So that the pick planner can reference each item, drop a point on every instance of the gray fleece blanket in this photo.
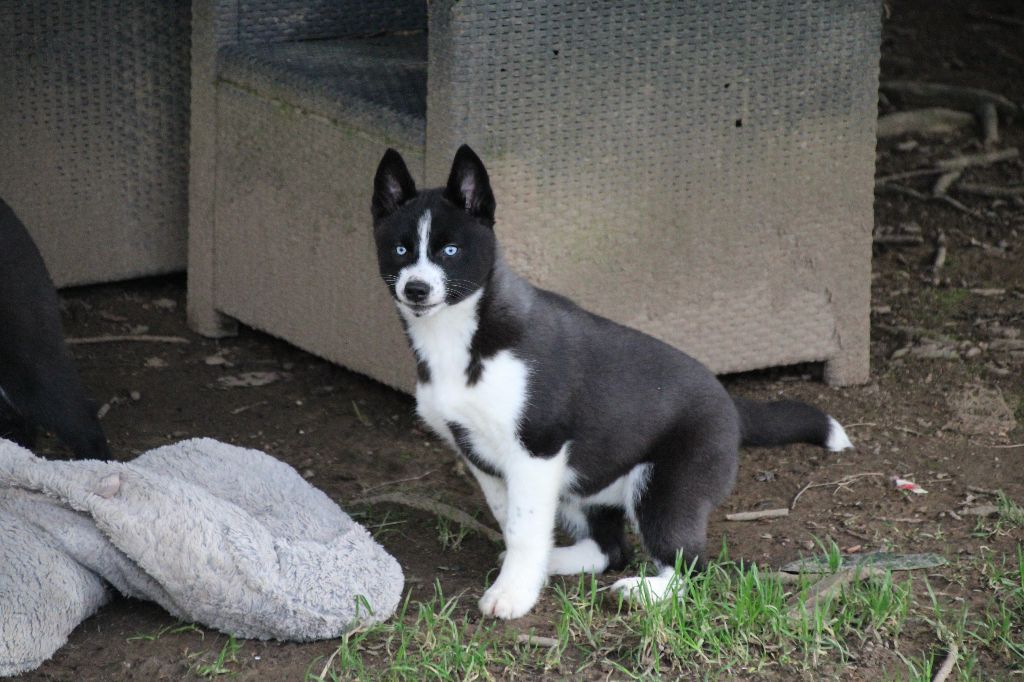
(219, 535)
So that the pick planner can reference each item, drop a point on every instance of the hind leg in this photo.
(690, 477)
(600, 543)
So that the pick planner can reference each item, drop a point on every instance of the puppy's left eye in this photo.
(400, 250)
(451, 250)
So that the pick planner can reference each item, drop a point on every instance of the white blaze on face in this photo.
(423, 270)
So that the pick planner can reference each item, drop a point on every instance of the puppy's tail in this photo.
(789, 421)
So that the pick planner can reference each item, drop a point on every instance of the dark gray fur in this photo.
(37, 376)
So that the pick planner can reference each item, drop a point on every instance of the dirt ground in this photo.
(935, 340)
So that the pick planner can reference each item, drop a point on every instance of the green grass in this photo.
(731, 618)
(731, 621)
(219, 666)
(1011, 515)
(450, 533)
(1009, 518)
(427, 640)
(997, 628)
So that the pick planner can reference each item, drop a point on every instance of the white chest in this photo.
(491, 408)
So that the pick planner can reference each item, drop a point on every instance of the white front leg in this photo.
(534, 485)
(495, 493)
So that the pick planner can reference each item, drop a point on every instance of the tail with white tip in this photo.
(789, 421)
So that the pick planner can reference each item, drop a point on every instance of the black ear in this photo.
(392, 185)
(468, 185)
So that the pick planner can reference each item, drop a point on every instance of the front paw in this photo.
(508, 601)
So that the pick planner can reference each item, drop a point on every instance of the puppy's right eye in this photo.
(401, 250)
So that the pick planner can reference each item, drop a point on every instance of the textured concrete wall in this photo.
(294, 252)
(701, 171)
(94, 133)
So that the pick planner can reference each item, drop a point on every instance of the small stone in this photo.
(135, 395)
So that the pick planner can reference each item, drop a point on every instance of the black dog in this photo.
(39, 386)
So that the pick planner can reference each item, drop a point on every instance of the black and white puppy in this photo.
(39, 386)
(559, 413)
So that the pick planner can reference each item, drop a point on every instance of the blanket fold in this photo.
(216, 534)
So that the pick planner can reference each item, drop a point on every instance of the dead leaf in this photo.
(250, 379)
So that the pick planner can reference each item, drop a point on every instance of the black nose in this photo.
(417, 291)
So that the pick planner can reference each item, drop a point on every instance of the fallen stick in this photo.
(947, 665)
(988, 117)
(140, 338)
(933, 120)
(245, 408)
(983, 159)
(945, 181)
(433, 506)
(897, 239)
(537, 640)
(958, 205)
(396, 482)
(900, 189)
(940, 257)
(968, 99)
(755, 515)
(955, 163)
(985, 190)
(832, 585)
(784, 578)
(846, 480)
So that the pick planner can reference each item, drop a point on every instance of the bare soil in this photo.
(351, 436)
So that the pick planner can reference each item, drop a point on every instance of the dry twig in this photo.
(945, 181)
(952, 164)
(983, 159)
(832, 585)
(921, 93)
(933, 120)
(434, 507)
(401, 480)
(940, 257)
(844, 481)
(143, 338)
(755, 515)
(995, 191)
(897, 239)
(989, 120)
(537, 640)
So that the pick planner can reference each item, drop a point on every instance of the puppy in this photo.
(560, 414)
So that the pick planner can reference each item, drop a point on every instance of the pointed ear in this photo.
(468, 185)
(392, 185)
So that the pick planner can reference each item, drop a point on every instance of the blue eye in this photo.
(401, 250)
(451, 250)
